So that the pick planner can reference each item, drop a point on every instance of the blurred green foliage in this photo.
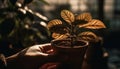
(18, 28)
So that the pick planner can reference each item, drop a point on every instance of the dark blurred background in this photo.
(23, 23)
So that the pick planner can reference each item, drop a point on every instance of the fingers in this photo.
(46, 48)
(49, 54)
(51, 51)
(49, 66)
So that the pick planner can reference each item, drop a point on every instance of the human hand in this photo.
(33, 57)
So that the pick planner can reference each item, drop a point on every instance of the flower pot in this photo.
(74, 55)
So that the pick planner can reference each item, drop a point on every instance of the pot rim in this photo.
(86, 44)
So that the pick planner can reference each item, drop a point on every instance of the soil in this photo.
(68, 43)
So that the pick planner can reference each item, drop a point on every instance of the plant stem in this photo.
(72, 35)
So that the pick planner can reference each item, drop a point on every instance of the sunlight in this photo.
(43, 24)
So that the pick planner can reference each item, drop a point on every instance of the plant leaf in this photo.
(67, 16)
(54, 23)
(57, 26)
(60, 36)
(89, 36)
(94, 24)
(27, 2)
(45, 2)
(84, 16)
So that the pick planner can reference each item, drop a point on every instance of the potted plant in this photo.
(72, 36)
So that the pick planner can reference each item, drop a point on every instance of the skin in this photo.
(35, 57)
(42, 57)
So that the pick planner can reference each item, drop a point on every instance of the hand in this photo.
(33, 58)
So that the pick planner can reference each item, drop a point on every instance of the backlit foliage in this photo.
(72, 24)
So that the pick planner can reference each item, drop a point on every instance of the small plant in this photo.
(73, 27)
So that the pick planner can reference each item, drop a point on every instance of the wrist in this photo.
(3, 63)
(11, 62)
